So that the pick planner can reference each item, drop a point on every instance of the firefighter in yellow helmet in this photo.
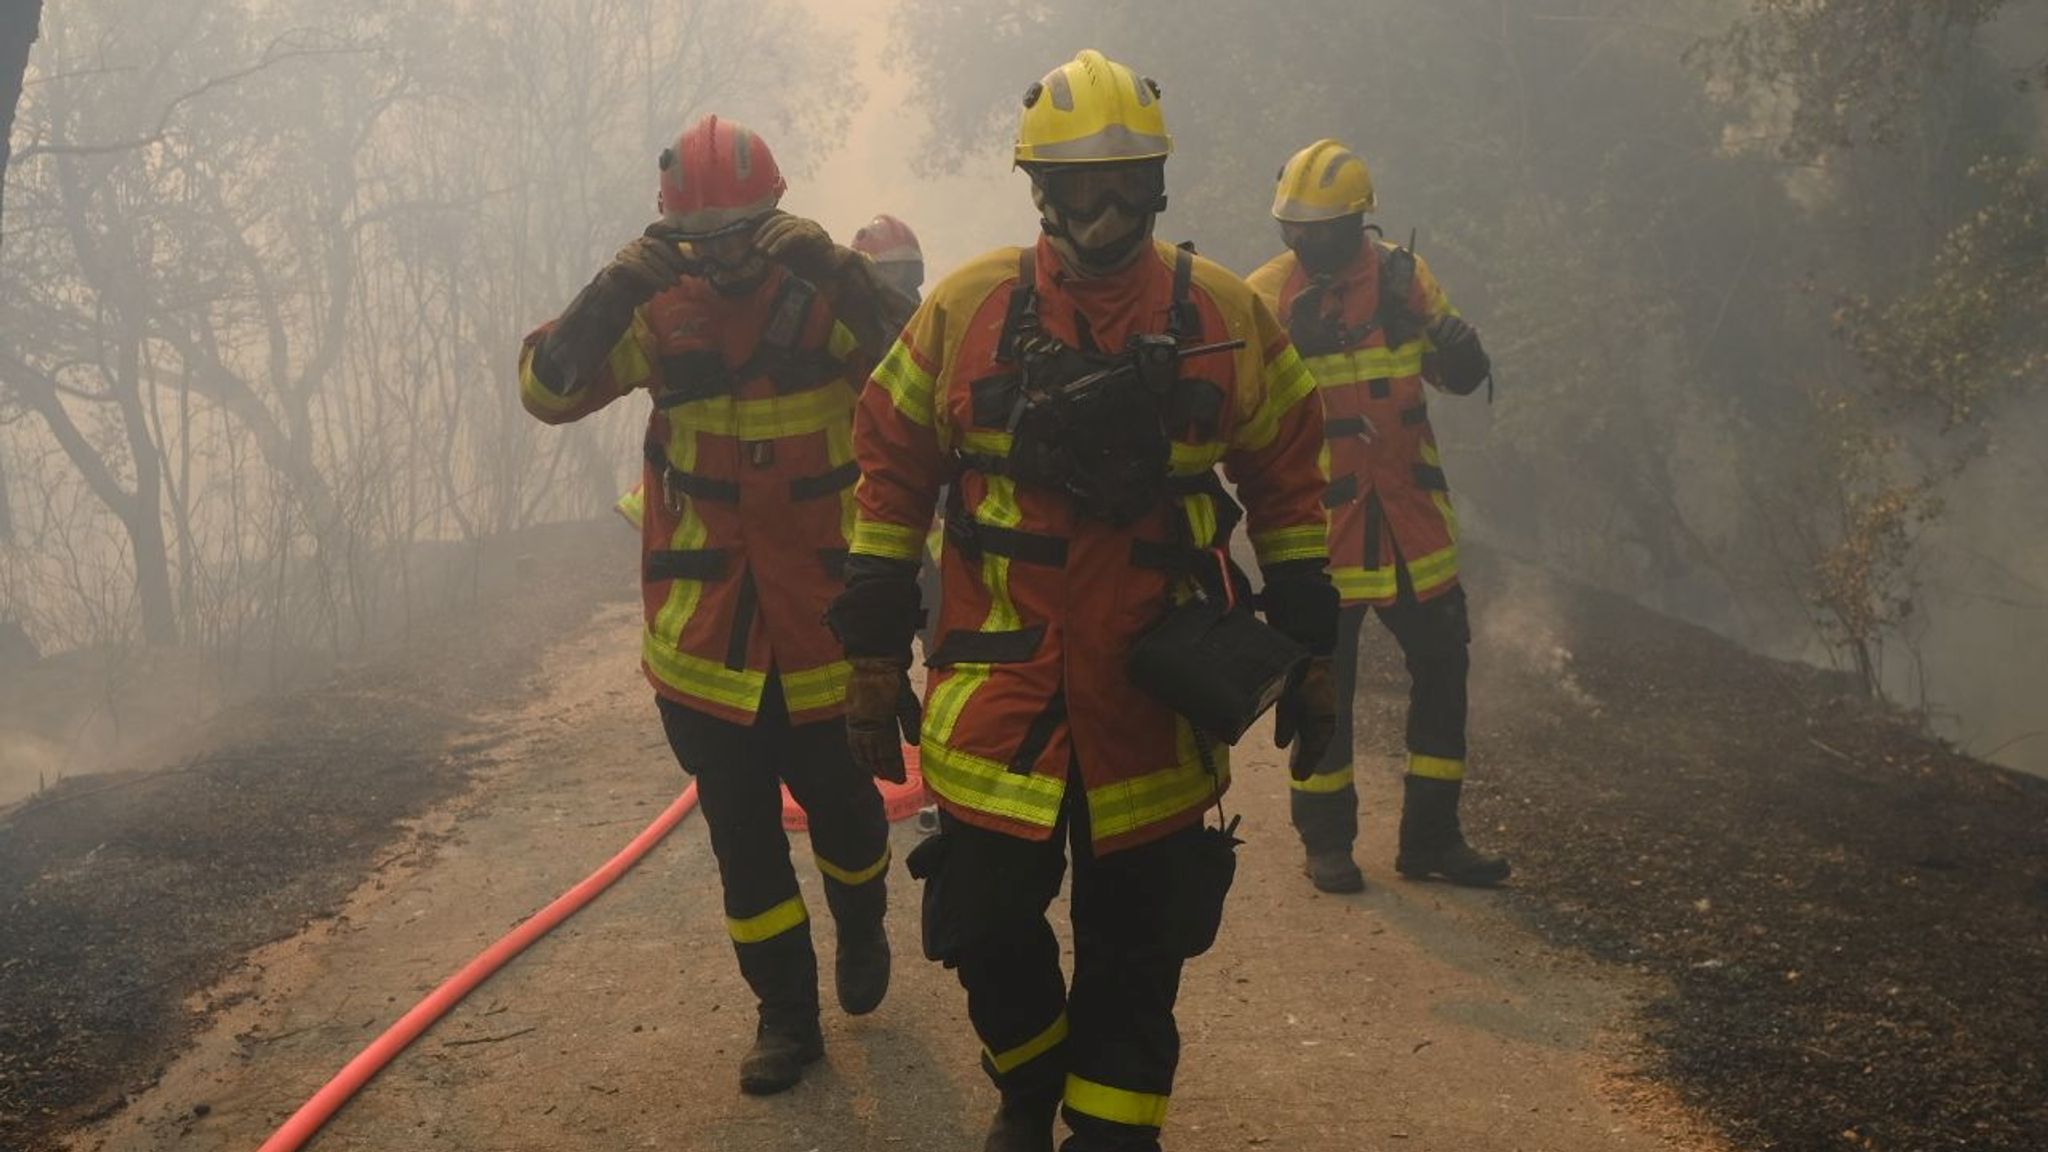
(1079, 394)
(1374, 327)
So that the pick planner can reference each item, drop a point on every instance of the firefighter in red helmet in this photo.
(749, 330)
(893, 247)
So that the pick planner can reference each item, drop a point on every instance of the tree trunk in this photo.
(20, 20)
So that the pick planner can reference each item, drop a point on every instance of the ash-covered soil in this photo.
(121, 895)
(1852, 919)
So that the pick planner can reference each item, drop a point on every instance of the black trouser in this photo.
(1107, 1046)
(1435, 639)
(740, 770)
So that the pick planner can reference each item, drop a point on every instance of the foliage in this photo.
(266, 270)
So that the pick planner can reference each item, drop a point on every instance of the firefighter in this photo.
(1374, 326)
(1068, 535)
(893, 247)
(749, 330)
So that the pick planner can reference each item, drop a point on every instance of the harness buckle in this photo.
(671, 492)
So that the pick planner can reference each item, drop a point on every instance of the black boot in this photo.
(861, 970)
(1432, 843)
(779, 1056)
(1023, 1123)
(1333, 872)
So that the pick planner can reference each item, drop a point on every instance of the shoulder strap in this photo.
(1022, 316)
(1183, 319)
(790, 314)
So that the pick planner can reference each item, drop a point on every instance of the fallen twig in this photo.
(488, 1039)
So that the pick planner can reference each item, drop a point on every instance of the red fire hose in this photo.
(326, 1102)
(899, 801)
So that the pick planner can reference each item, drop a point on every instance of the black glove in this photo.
(1460, 364)
(1307, 711)
(1450, 330)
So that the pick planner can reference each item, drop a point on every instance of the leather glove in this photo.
(652, 264)
(1449, 330)
(882, 714)
(1307, 712)
(801, 245)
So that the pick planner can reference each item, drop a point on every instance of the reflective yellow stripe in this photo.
(880, 538)
(628, 358)
(633, 506)
(1303, 542)
(988, 785)
(949, 697)
(842, 342)
(1194, 459)
(658, 646)
(1450, 515)
(769, 418)
(1140, 802)
(770, 924)
(987, 443)
(910, 387)
(808, 689)
(706, 680)
(1435, 767)
(1335, 780)
(1355, 583)
(1435, 570)
(1427, 574)
(1340, 369)
(1032, 1049)
(1288, 382)
(1116, 1105)
(851, 878)
(1201, 512)
(538, 396)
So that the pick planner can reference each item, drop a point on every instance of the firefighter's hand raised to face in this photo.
(652, 263)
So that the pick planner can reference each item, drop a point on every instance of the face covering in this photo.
(905, 276)
(1328, 247)
(1099, 217)
(1098, 246)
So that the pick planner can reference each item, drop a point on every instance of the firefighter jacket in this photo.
(748, 486)
(1389, 502)
(1040, 605)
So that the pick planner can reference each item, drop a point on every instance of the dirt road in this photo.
(1414, 1017)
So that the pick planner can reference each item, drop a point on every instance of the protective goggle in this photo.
(1083, 192)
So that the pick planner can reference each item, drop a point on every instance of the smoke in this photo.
(1522, 626)
(956, 216)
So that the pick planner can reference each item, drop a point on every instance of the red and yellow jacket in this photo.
(1040, 606)
(1389, 502)
(748, 485)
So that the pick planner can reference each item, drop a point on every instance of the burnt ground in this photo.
(1852, 919)
(123, 895)
(1846, 923)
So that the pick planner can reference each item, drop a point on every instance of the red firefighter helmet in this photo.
(887, 240)
(719, 177)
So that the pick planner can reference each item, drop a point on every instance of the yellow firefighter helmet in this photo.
(1323, 181)
(1092, 110)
